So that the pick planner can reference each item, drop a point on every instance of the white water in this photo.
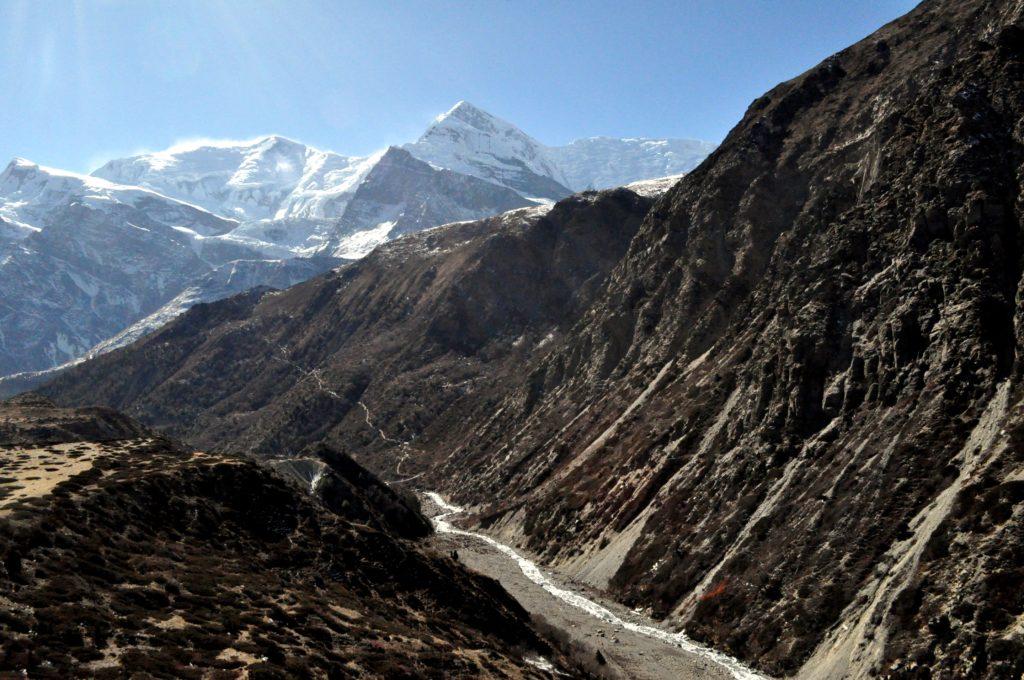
(533, 572)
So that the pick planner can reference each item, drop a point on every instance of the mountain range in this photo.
(85, 257)
(777, 404)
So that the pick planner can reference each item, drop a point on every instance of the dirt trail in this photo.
(635, 647)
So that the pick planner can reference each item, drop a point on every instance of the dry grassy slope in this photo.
(128, 555)
(748, 432)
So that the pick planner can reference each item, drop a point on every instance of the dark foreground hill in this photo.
(787, 418)
(125, 555)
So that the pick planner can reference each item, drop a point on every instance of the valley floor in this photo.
(632, 654)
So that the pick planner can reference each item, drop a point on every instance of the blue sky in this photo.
(88, 80)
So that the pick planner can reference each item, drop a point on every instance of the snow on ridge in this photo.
(277, 177)
(605, 162)
(652, 188)
(361, 243)
(195, 144)
(29, 191)
(471, 141)
(23, 165)
(267, 177)
(270, 179)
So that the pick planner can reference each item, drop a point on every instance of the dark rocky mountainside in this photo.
(792, 424)
(431, 323)
(123, 554)
(790, 418)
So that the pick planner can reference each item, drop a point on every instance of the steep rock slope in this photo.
(792, 422)
(124, 554)
(789, 424)
(402, 195)
(367, 356)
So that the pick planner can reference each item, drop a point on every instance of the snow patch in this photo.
(361, 243)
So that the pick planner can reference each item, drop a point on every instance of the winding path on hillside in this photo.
(638, 649)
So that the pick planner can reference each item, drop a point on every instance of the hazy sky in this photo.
(88, 80)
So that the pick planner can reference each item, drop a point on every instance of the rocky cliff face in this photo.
(402, 195)
(788, 420)
(777, 426)
(122, 553)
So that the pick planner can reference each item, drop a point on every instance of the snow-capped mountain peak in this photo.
(471, 141)
(83, 257)
(273, 160)
(23, 176)
(277, 178)
(30, 194)
(266, 177)
(474, 116)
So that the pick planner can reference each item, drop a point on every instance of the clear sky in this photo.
(88, 80)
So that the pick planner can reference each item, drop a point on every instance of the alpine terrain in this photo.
(778, 405)
(89, 261)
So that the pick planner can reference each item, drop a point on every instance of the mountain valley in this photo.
(777, 406)
(475, 406)
(122, 552)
